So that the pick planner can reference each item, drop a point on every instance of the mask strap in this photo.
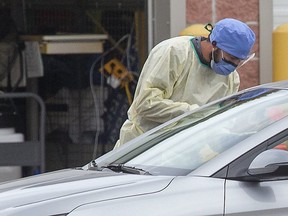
(222, 54)
(213, 53)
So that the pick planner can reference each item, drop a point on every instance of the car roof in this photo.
(280, 84)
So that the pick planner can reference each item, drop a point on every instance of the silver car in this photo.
(226, 158)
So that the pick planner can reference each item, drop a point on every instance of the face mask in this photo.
(222, 67)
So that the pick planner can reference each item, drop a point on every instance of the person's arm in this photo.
(162, 69)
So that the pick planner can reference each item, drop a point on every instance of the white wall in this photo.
(280, 12)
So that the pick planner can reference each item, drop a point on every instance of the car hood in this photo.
(52, 191)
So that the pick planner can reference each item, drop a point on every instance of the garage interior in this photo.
(85, 99)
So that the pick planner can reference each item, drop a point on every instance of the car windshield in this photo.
(184, 145)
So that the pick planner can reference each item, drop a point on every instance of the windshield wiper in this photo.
(93, 165)
(127, 169)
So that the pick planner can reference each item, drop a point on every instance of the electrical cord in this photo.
(97, 110)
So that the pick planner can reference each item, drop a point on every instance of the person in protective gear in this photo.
(185, 72)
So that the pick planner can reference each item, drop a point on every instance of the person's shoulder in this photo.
(175, 42)
(177, 39)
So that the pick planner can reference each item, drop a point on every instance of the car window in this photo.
(238, 168)
(201, 136)
(283, 145)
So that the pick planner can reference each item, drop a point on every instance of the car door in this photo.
(263, 197)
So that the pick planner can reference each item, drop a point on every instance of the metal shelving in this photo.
(27, 153)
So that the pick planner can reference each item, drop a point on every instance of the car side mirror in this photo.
(270, 165)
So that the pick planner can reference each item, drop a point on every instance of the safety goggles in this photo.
(241, 61)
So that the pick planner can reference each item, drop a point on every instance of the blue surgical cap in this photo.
(233, 37)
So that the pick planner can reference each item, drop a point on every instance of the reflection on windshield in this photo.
(197, 138)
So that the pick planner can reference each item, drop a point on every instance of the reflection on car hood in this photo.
(75, 187)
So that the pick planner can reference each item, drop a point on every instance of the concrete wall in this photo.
(206, 11)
